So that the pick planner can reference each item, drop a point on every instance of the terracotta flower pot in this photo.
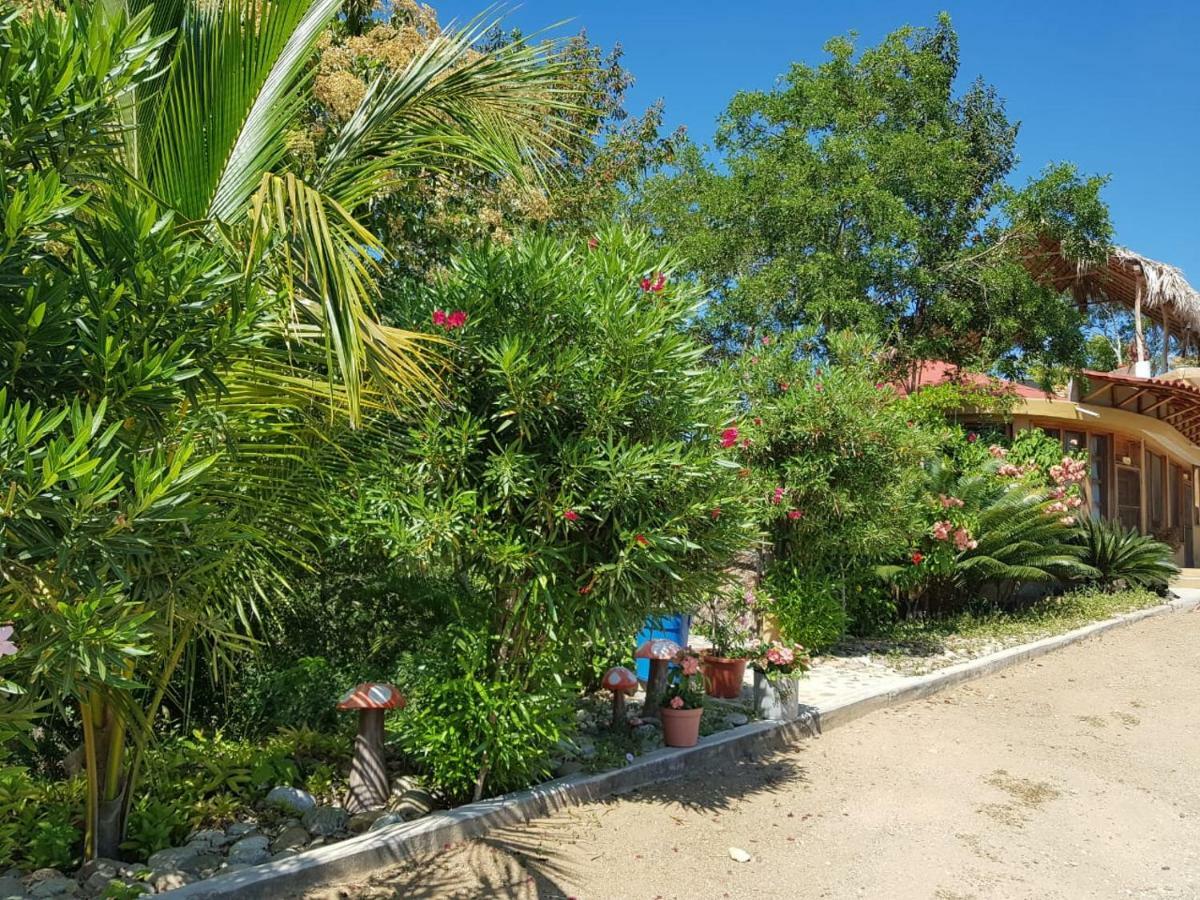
(722, 676)
(680, 727)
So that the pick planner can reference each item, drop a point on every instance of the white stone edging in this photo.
(360, 856)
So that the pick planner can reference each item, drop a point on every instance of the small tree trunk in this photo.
(368, 770)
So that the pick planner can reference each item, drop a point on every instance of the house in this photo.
(1141, 431)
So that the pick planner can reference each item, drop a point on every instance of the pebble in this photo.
(250, 850)
(387, 820)
(737, 854)
(290, 838)
(324, 821)
(290, 799)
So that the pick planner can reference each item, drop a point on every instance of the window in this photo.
(1156, 486)
(1129, 497)
(1098, 461)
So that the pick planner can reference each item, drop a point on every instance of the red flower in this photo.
(819, 387)
(758, 420)
(571, 516)
(729, 437)
(456, 319)
(917, 557)
(585, 590)
(783, 385)
(777, 496)
(439, 317)
(794, 514)
(641, 539)
(593, 243)
(716, 513)
(745, 442)
(655, 284)
(972, 437)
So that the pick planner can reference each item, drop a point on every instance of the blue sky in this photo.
(1113, 87)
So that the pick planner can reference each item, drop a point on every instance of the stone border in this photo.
(360, 856)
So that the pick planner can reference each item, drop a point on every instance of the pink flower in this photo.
(997, 451)
(819, 387)
(962, 539)
(749, 597)
(794, 514)
(972, 437)
(571, 516)
(783, 385)
(729, 437)
(690, 665)
(777, 496)
(745, 443)
(7, 647)
(585, 590)
(439, 317)
(1008, 470)
(941, 530)
(917, 557)
(949, 502)
(766, 341)
(1067, 520)
(676, 703)
(593, 243)
(456, 319)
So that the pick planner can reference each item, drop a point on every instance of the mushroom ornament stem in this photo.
(660, 652)
(369, 787)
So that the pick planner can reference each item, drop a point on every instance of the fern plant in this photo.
(1122, 556)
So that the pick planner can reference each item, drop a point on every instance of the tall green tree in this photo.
(867, 193)
(182, 317)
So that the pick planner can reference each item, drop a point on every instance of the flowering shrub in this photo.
(685, 687)
(776, 660)
(574, 476)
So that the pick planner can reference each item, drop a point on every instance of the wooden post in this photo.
(1139, 338)
(1166, 339)
(1143, 513)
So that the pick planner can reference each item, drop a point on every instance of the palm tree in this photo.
(163, 384)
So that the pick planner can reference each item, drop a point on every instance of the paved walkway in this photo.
(1071, 776)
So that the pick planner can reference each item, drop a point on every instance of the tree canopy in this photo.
(867, 193)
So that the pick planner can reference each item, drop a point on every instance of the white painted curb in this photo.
(360, 856)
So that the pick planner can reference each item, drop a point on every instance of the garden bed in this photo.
(257, 821)
(920, 646)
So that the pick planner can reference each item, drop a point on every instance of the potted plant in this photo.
(727, 622)
(683, 703)
(777, 671)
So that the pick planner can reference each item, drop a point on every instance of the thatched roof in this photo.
(1120, 280)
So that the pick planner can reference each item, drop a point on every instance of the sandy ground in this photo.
(1072, 776)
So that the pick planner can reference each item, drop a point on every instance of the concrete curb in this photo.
(359, 856)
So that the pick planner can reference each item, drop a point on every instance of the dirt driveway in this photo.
(1074, 776)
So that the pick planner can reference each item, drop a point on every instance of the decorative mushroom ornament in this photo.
(660, 652)
(369, 788)
(619, 681)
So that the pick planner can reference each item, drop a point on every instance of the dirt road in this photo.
(1074, 776)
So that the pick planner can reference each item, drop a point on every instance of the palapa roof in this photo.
(1119, 279)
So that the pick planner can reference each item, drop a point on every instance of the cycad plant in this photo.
(184, 323)
(1123, 557)
(989, 536)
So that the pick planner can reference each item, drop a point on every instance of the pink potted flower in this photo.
(777, 671)
(683, 702)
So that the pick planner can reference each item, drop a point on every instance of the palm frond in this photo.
(451, 105)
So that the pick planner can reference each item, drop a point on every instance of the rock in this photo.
(570, 767)
(291, 838)
(134, 870)
(209, 839)
(733, 720)
(98, 883)
(737, 854)
(169, 881)
(286, 853)
(236, 867)
(324, 821)
(387, 820)
(241, 829)
(364, 820)
(407, 783)
(181, 859)
(98, 866)
(62, 886)
(12, 888)
(419, 798)
(250, 850)
(290, 799)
